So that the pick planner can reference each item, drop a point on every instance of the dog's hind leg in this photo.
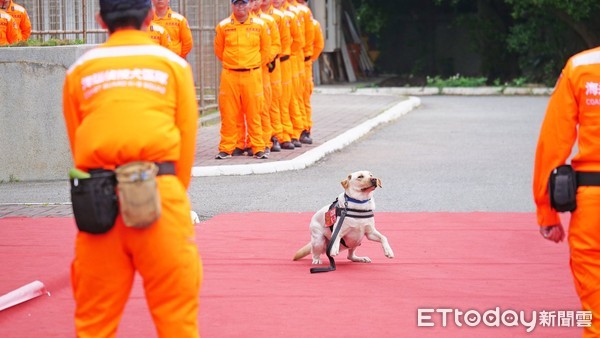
(358, 259)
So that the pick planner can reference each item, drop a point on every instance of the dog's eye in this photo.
(361, 176)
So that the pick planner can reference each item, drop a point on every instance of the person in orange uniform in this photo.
(284, 24)
(296, 59)
(242, 44)
(269, 116)
(176, 25)
(572, 115)
(275, 75)
(9, 32)
(156, 122)
(160, 35)
(310, 36)
(19, 14)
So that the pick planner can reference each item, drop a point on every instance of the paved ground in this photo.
(333, 115)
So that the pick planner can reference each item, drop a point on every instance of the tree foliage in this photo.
(513, 38)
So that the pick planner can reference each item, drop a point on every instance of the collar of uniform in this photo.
(247, 22)
(128, 37)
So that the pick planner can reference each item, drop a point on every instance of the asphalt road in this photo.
(454, 153)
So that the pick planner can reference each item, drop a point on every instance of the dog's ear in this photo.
(345, 183)
(379, 183)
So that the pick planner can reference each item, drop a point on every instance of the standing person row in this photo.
(242, 44)
(20, 18)
(176, 25)
(125, 101)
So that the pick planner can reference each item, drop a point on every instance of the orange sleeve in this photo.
(219, 43)
(12, 32)
(557, 136)
(265, 44)
(296, 34)
(72, 116)
(284, 32)
(187, 41)
(309, 33)
(186, 120)
(25, 26)
(319, 43)
(275, 39)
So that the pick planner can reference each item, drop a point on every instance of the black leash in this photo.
(331, 266)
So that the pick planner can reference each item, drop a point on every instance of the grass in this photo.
(47, 43)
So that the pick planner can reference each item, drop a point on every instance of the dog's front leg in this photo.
(335, 247)
(376, 236)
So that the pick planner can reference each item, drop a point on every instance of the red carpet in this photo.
(252, 288)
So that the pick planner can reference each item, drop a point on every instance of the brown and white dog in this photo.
(357, 198)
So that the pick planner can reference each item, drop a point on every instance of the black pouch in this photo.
(563, 188)
(94, 200)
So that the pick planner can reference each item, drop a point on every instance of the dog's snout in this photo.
(374, 181)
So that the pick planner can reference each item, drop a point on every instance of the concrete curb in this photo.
(427, 91)
(315, 154)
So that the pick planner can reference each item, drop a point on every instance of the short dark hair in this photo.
(127, 18)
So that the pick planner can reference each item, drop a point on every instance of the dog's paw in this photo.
(316, 261)
(388, 252)
(359, 259)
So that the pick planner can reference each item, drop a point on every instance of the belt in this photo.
(307, 58)
(244, 69)
(588, 178)
(165, 168)
(284, 58)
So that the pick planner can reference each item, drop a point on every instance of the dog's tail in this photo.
(303, 252)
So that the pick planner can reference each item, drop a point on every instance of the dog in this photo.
(359, 222)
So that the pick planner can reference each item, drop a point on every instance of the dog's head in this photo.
(361, 184)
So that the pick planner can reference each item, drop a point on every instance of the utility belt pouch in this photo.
(139, 199)
(563, 188)
(94, 201)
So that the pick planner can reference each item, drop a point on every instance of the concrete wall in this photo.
(33, 139)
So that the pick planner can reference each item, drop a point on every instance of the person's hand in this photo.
(271, 66)
(554, 233)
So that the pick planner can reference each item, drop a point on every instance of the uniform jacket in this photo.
(573, 108)
(159, 35)
(9, 33)
(242, 45)
(143, 109)
(179, 32)
(283, 26)
(319, 42)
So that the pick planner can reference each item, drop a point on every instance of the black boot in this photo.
(276, 146)
(305, 137)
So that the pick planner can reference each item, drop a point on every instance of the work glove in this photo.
(271, 66)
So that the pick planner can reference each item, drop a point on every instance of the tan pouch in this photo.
(139, 199)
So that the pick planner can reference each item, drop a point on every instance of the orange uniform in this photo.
(131, 100)
(243, 49)
(179, 31)
(285, 74)
(271, 113)
(317, 47)
(573, 114)
(9, 33)
(296, 115)
(159, 35)
(19, 14)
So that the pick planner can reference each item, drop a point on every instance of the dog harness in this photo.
(330, 219)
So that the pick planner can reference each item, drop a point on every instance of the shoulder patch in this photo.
(177, 16)
(225, 22)
(5, 16)
(18, 8)
(258, 21)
